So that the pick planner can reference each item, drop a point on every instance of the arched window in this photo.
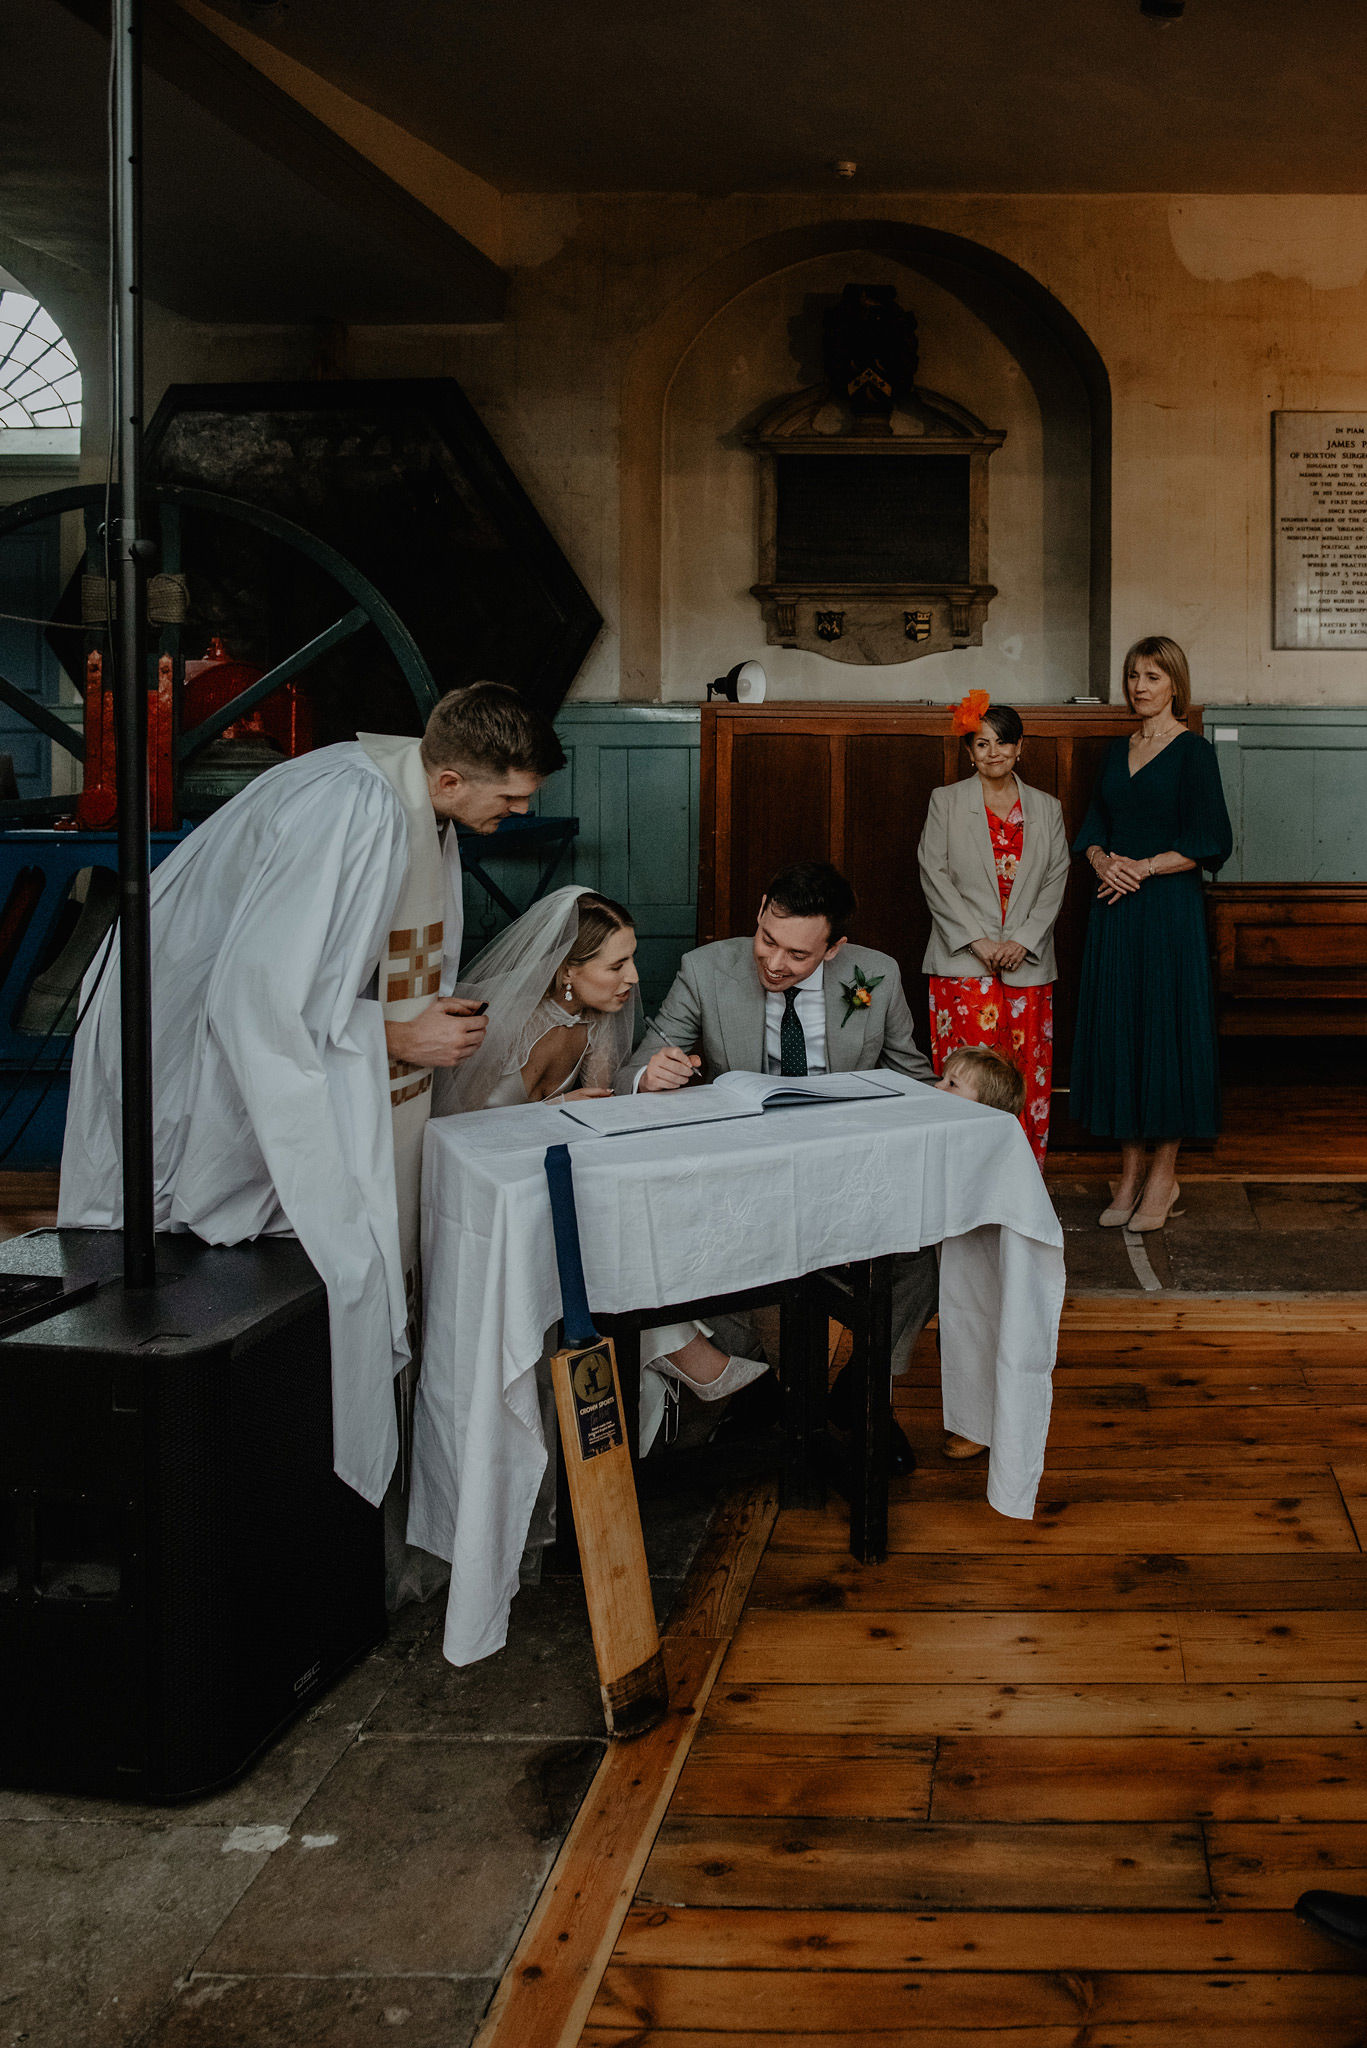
(40, 382)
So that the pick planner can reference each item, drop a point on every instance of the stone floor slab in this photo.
(415, 1855)
(326, 2012)
(1214, 1205)
(544, 1682)
(1266, 1261)
(98, 1923)
(1310, 1205)
(281, 1782)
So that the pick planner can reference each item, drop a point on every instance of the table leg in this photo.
(802, 1356)
(628, 1348)
(873, 1410)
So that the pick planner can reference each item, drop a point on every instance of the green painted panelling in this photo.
(632, 781)
(1296, 784)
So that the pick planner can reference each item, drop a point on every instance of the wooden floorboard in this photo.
(1312, 1522)
(1049, 1782)
(779, 2000)
(829, 1580)
(928, 1708)
(1277, 2033)
(678, 1937)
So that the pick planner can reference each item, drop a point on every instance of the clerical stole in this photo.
(410, 976)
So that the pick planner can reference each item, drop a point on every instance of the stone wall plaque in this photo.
(1319, 525)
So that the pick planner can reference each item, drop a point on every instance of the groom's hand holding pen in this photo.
(670, 1068)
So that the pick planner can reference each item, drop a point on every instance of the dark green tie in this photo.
(792, 1040)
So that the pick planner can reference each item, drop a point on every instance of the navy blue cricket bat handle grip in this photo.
(574, 1300)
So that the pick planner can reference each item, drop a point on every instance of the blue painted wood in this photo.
(33, 1068)
(1296, 783)
(631, 779)
(29, 585)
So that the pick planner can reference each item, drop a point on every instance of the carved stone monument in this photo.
(873, 500)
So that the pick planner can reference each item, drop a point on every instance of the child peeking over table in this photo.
(981, 1074)
(984, 1075)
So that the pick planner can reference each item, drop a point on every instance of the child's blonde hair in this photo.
(997, 1082)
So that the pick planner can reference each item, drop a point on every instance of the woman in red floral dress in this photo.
(994, 866)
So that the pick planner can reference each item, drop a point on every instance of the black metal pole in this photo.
(139, 1245)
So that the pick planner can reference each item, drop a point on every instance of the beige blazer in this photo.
(959, 880)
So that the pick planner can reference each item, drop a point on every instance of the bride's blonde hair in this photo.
(599, 918)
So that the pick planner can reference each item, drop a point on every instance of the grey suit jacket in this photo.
(959, 881)
(716, 1007)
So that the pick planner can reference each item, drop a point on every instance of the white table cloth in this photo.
(680, 1215)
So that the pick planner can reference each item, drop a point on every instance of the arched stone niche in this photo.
(991, 338)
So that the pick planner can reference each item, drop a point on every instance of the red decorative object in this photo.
(968, 715)
(285, 717)
(97, 804)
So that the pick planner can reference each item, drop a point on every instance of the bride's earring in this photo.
(569, 990)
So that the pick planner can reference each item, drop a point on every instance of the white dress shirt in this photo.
(811, 1015)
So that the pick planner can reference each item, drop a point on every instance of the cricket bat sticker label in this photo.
(595, 1403)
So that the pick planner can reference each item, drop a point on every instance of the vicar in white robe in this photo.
(304, 941)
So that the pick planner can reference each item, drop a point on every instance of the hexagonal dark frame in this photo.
(498, 599)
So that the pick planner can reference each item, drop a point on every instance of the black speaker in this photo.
(181, 1572)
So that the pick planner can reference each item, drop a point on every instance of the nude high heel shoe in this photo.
(1154, 1219)
(1112, 1217)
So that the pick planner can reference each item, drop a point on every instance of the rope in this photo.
(66, 625)
(168, 604)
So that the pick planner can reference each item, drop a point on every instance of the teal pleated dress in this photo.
(1145, 1057)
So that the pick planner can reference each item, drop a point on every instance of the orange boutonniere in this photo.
(968, 716)
(858, 994)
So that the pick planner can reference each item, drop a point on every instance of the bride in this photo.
(561, 986)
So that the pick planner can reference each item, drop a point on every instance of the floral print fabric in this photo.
(981, 1010)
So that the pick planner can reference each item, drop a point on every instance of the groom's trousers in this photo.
(915, 1297)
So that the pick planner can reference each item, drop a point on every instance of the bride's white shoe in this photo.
(735, 1374)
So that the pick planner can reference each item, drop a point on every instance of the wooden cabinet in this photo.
(850, 784)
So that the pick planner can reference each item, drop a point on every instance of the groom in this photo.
(775, 1004)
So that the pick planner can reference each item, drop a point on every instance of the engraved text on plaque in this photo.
(1319, 513)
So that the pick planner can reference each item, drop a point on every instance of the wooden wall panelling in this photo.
(783, 798)
(851, 783)
(1290, 957)
(889, 780)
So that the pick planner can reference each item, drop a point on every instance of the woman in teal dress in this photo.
(1145, 1064)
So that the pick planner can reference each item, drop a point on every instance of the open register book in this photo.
(730, 1095)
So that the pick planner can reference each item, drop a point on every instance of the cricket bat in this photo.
(607, 1518)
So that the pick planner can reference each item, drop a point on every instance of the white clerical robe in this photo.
(270, 1074)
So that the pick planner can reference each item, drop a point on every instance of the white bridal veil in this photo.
(516, 976)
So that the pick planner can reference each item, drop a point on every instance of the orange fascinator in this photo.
(968, 716)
